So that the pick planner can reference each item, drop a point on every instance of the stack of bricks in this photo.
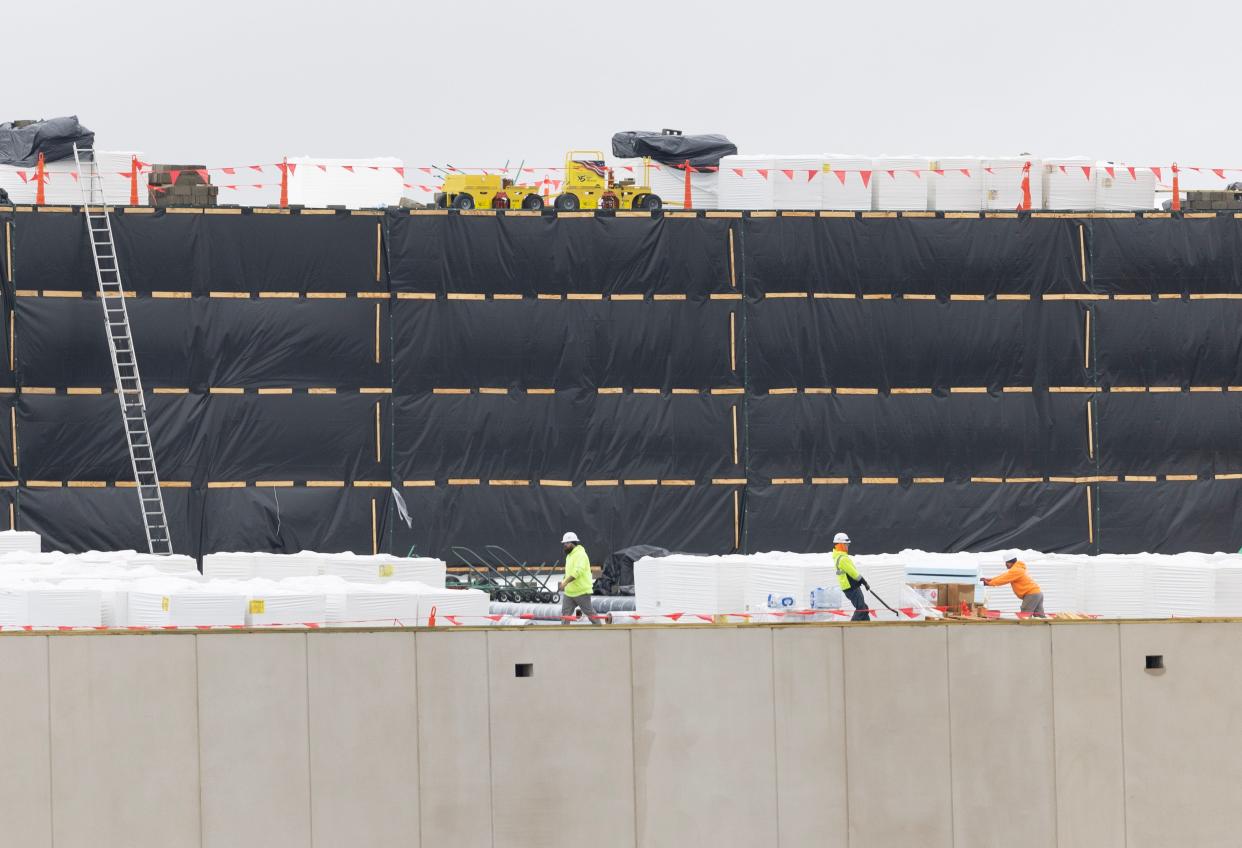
(180, 185)
(1213, 201)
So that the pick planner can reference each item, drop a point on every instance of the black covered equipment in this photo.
(54, 138)
(703, 151)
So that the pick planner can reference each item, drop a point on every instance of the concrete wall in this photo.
(1023, 734)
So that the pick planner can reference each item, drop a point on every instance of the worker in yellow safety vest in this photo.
(848, 578)
(577, 586)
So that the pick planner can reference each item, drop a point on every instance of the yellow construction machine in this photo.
(589, 184)
(486, 191)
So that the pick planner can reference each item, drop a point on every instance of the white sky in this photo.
(474, 82)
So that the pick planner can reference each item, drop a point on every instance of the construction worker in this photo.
(848, 578)
(1024, 587)
(576, 588)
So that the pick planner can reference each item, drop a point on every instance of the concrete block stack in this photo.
(1213, 201)
(181, 185)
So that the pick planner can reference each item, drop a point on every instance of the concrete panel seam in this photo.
(310, 771)
(1052, 724)
(51, 795)
(491, 769)
(776, 748)
(948, 695)
(1121, 712)
(845, 734)
(629, 642)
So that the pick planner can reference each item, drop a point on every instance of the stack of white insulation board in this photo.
(60, 187)
(846, 182)
(745, 182)
(173, 602)
(797, 181)
(381, 568)
(1123, 188)
(669, 183)
(353, 183)
(900, 183)
(1002, 183)
(955, 185)
(38, 604)
(19, 541)
(1067, 184)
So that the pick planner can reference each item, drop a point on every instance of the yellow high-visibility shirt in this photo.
(578, 579)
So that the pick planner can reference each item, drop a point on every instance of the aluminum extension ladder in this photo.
(121, 348)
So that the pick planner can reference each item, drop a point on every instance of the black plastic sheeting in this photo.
(639, 380)
(932, 517)
(563, 344)
(911, 344)
(53, 137)
(701, 151)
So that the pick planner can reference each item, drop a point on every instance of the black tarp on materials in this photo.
(911, 344)
(952, 436)
(1167, 255)
(53, 137)
(702, 151)
(202, 342)
(544, 254)
(529, 520)
(563, 344)
(571, 435)
(933, 517)
(1168, 342)
(938, 256)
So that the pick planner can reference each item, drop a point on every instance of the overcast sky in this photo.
(470, 82)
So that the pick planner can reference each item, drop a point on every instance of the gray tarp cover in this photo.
(54, 138)
(703, 151)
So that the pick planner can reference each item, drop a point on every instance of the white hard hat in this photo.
(841, 539)
(571, 536)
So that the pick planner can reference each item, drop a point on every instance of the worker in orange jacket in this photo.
(1024, 587)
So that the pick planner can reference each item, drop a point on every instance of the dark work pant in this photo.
(856, 598)
(581, 602)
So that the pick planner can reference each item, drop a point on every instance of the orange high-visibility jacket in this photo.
(1016, 574)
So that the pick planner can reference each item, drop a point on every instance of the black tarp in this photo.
(937, 256)
(617, 576)
(53, 137)
(914, 344)
(488, 254)
(563, 344)
(702, 150)
(284, 389)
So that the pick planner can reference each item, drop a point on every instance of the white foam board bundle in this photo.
(113, 597)
(173, 602)
(745, 182)
(1114, 586)
(1002, 183)
(647, 585)
(1068, 184)
(19, 542)
(1180, 589)
(61, 186)
(670, 184)
(900, 183)
(796, 181)
(770, 576)
(1122, 188)
(701, 585)
(1228, 588)
(229, 565)
(49, 605)
(470, 604)
(846, 182)
(282, 566)
(270, 603)
(955, 184)
(382, 568)
(368, 605)
(887, 576)
(164, 563)
(365, 183)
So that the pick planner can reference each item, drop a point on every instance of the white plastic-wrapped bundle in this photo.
(113, 596)
(669, 183)
(705, 585)
(900, 182)
(353, 183)
(796, 181)
(846, 182)
(382, 568)
(172, 602)
(19, 542)
(282, 566)
(1180, 589)
(647, 585)
(955, 184)
(745, 182)
(368, 605)
(229, 565)
(49, 605)
(468, 605)
(165, 563)
(269, 603)
(886, 575)
(1002, 183)
(1122, 188)
(61, 185)
(1068, 184)
(1114, 586)
(1229, 588)
(773, 576)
